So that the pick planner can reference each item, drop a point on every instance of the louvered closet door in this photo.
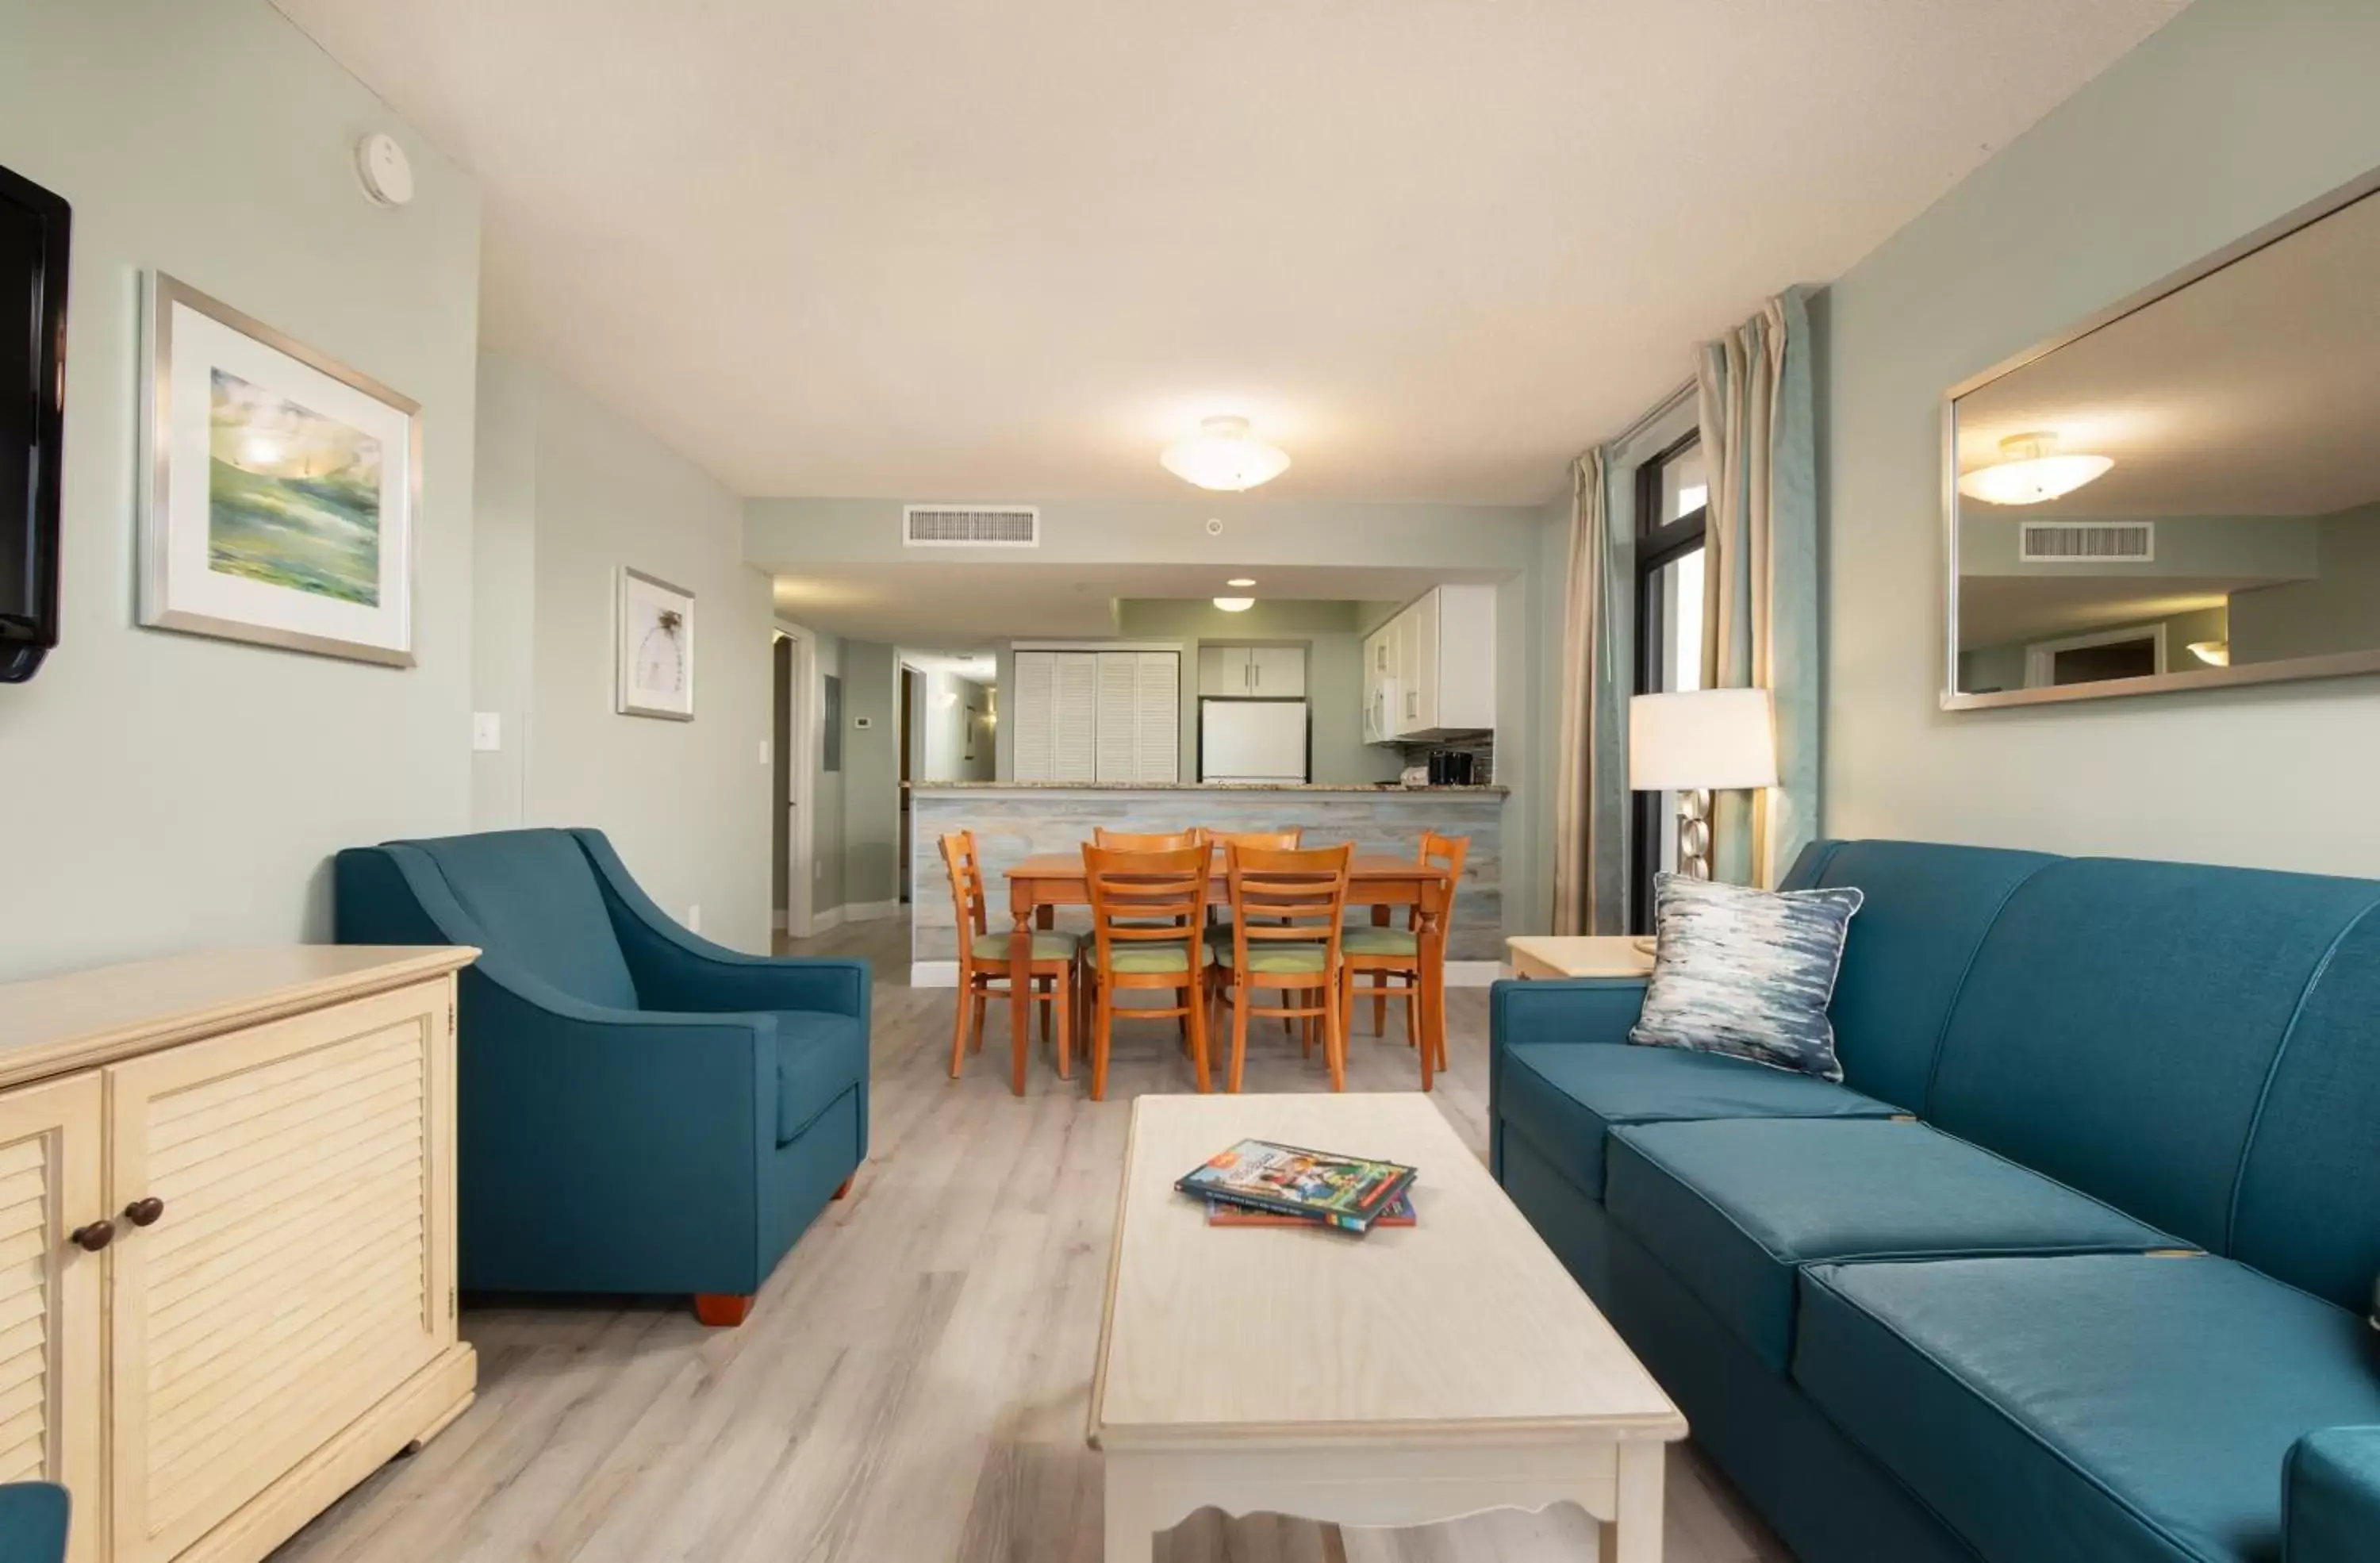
(297, 1273)
(1119, 716)
(1032, 716)
(50, 1318)
(1075, 717)
(1157, 717)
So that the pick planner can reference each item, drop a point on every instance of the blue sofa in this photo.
(2075, 1262)
(638, 1109)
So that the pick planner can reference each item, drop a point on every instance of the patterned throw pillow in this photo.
(1746, 973)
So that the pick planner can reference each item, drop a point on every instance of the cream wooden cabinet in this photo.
(226, 1239)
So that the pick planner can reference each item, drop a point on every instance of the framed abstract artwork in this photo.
(279, 489)
(655, 647)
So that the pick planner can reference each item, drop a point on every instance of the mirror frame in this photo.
(2339, 665)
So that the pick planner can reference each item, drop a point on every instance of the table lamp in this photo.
(1697, 742)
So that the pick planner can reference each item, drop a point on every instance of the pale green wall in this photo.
(871, 779)
(166, 791)
(683, 802)
(2234, 113)
(2338, 611)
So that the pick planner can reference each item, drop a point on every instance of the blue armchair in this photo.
(33, 1522)
(638, 1109)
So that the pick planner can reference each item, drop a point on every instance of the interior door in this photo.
(51, 1319)
(291, 1272)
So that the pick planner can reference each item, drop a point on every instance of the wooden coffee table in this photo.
(1409, 1375)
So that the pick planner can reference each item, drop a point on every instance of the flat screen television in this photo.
(33, 226)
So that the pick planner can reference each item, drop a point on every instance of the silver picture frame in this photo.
(160, 521)
(632, 649)
(2337, 665)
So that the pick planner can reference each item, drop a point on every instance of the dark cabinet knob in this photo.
(144, 1212)
(94, 1238)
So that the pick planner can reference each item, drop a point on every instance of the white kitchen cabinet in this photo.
(1430, 671)
(1268, 672)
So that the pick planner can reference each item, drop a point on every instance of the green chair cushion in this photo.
(1147, 958)
(1048, 945)
(1380, 941)
(1274, 958)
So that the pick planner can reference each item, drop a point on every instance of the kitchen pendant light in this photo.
(1225, 457)
(2027, 473)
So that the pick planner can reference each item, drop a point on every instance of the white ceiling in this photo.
(1432, 247)
(2252, 391)
(963, 607)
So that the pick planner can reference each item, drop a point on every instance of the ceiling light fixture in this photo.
(1241, 581)
(2214, 653)
(1235, 604)
(1225, 457)
(2027, 473)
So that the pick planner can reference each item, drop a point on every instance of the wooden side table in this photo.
(1544, 956)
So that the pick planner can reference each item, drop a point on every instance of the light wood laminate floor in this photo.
(911, 1384)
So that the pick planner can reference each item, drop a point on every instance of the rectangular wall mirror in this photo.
(2185, 491)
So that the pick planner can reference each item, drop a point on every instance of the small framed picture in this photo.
(655, 677)
(278, 487)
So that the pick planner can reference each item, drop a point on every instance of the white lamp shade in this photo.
(1705, 739)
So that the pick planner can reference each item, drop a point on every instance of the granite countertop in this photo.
(1192, 787)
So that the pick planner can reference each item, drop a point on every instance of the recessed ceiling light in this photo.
(1235, 604)
(1240, 581)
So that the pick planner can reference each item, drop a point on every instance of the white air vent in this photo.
(2088, 542)
(971, 525)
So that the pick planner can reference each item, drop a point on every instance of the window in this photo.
(1672, 503)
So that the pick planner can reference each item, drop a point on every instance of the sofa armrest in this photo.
(674, 969)
(1569, 1010)
(2330, 1496)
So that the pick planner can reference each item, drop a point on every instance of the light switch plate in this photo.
(764, 751)
(487, 731)
(861, 722)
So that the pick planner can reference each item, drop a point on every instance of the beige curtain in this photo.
(1760, 618)
(1590, 798)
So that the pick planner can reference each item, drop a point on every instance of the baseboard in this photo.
(820, 921)
(869, 911)
(933, 974)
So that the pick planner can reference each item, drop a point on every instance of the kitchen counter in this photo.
(1194, 787)
(1013, 821)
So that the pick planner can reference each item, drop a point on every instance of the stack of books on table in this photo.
(1261, 1183)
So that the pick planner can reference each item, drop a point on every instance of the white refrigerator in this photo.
(1252, 741)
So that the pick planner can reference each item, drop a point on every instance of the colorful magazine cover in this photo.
(1348, 1191)
(1222, 1213)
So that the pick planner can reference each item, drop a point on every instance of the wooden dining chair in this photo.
(984, 971)
(1286, 908)
(1145, 934)
(1160, 840)
(1277, 841)
(1385, 953)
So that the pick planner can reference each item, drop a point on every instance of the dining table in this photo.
(1040, 885)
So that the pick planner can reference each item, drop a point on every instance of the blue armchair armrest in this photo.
(2330, 1496)
(677, 969)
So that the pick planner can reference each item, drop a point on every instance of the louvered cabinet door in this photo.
(49, 1319)
(298, 1271)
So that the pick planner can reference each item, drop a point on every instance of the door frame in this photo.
(802, 697)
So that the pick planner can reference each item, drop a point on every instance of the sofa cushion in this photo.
(2107, 1408)
(1928, 908)
(2122, 1020)
(534, 894)
(2308, 1210)
(820, 1057)
(1562, 1096)
(1735, 1208)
